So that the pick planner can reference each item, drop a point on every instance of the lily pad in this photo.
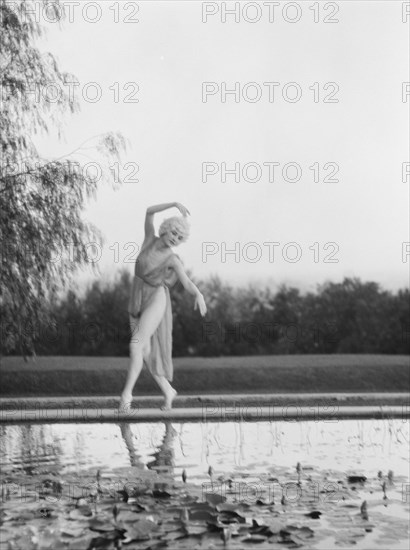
(230, 516)
(73, 531)
(314, 514)
(195, 529)
(214, 498)
(157, 493)
(356, 479)
(140, 530)
(101, 524)
(202, 515)
(81, 513)
(254, 539)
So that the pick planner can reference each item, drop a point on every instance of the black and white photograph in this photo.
(205, 275)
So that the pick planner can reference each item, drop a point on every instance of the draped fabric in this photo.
(147, 281)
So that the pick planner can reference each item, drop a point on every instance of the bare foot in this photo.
(125, 403)
(167, 406)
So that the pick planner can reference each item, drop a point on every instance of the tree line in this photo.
(347, 317)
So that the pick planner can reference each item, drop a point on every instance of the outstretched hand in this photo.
(184, 211)
(200, 302)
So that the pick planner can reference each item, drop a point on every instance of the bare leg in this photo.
(168, 391)
(128, 437)
(134, 371)
(140, 341)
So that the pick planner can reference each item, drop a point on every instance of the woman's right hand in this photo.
(184, 211)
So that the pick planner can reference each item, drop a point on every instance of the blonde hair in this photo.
(180, 223)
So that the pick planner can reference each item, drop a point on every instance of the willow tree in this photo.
(44, 237)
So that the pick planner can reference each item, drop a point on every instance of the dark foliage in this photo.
(347, 317)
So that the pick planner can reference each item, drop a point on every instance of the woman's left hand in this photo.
(184, 211)
(200, 302)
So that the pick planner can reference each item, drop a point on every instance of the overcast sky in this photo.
(361, 141)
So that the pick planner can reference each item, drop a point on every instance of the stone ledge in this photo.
(327, 407)
(244, 414)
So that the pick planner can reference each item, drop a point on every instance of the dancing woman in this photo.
(157, 268)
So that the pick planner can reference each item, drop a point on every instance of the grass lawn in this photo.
(76, 376)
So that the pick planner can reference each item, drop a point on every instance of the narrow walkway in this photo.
(217, 409)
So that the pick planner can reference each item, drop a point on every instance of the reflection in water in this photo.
(128, 437)
(30, 448)
(164, 455)
(262, 453)
(368, 445)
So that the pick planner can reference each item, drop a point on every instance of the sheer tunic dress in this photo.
(148, 277)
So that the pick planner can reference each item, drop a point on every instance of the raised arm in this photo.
(189, 285)
(149, 217)
(151, 210)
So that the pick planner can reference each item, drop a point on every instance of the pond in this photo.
(324, 485)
